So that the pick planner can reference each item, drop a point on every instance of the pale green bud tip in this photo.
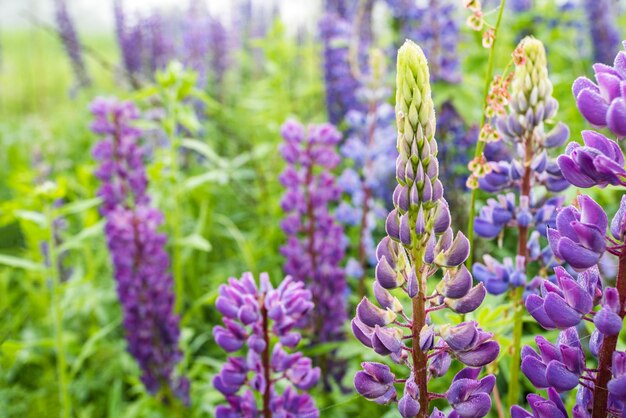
(414, 105)
(531, 79)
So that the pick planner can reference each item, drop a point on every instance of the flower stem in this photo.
(516, 346)
(175, 218)
(265, 358)
(480, 145)
(518, 293)
(420, 358)
(609, 343)
(57, 317)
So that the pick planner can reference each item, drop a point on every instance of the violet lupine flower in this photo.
(605, 32)
(140, 261)
(196, 42)
(604, 104)
(130, 43)
(531, 107)
(455, 142)
(520, 6)
(159, 41)
(69, 37)
(599, 162)
(581, 239)
(341, 85)
(579, 234)
(420, 241)
(564, 304)
(368, 180)
(220, 54)
(434, 26)
(253, 317)
(315, 241)
(542, 408)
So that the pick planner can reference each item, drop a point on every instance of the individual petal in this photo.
(371, 315)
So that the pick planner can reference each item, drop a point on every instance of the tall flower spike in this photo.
(367, 180)
(315, 241)
(341, 86)
(529, 177)
(140, 262)
(264, 319)
(419, 243)
(580, 238)
(605, 32)
(69, 37)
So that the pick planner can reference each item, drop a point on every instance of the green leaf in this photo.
(77, 240)
(29, 215)
(79, 206)
(196, 242)
(21, 263)
(213, 176)
(205, 150)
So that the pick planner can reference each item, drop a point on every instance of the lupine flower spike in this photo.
(264, 319)
(315, 241)
(581, 236)
(418, 244)
(528, 178)
(140, 262)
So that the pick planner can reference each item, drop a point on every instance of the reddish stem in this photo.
(609, 343)
(419, 357)
(265, 358)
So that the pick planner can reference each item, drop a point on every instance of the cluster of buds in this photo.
(418, 244)
(475, 21)
(604, 104)
(257, 316)
(580, 238)
(498, 96)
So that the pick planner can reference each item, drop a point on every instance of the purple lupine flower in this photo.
(605, 33)
(69, 37)
(525, 208)
(419, 242)
(599, 162)
(220, 54)
(341, 85)
(558, 366)
(140, 261)
(434, 26)
(581, 239)
(130, 42)
(315, 241)
(604, 104)
(368, 180)
(579, 234)
(564, 304)
(455, 142)
(519, 6)
(551, 408)
(254, 316)
(160, 45)
(196, 42)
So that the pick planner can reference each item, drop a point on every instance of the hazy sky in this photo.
(98, 14)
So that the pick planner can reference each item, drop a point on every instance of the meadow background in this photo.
(227, 189)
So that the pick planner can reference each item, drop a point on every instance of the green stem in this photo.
(516, 347)
(480, 146)
(57, 317)
(175, 217)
